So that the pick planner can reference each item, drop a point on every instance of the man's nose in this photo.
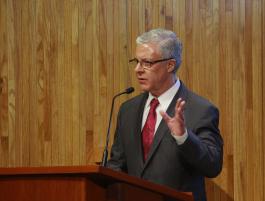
(138, 67)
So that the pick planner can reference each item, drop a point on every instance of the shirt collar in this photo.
(166, 97)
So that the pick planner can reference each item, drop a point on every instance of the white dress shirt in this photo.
(164, 101)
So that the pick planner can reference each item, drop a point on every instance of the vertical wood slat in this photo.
(23, 127)
(238, 104)
(14, 29)
(64, 60)
(67, 149)
(75, 68)
(54, 77)
(4, 80)
(248, 68)
(263, 92)
(86, 72)
(101, 78)
(61, 88)
(110, 68)
(257, 66)
(36, 141)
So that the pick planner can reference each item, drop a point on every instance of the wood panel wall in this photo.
(61, 61)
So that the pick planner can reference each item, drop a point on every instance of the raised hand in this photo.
(176, 124)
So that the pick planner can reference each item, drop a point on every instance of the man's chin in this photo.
(144, 88)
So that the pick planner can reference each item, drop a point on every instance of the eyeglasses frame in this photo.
(151, 63)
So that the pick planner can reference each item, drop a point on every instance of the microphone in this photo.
(105, 153)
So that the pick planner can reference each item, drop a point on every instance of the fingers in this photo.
(165, 116)
(176, 123)
(179, 109)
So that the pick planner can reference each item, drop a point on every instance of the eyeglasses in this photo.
(146, 64)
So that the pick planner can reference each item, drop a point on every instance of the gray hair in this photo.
(170, 45)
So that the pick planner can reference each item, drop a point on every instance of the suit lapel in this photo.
(163, 128)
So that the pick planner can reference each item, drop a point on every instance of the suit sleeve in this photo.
(203, 149)
(117, 158)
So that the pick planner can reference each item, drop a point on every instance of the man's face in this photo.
(158, 77)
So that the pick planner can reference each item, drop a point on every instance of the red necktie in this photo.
(149, 127)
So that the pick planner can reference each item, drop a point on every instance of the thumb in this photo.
(165, 116)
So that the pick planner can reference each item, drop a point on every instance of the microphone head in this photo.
(129, 90)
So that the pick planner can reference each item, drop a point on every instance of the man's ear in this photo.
(171, 65)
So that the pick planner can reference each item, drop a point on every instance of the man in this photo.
(168, 134)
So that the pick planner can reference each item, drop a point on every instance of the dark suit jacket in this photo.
(182, 167)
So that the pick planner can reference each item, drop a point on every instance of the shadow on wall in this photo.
(216, 193)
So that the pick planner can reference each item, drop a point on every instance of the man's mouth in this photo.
(141, 80)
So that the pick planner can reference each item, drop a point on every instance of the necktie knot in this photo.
(154, 103)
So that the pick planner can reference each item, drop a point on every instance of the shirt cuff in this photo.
(181, 139)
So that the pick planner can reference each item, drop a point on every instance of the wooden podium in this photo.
(80, 183)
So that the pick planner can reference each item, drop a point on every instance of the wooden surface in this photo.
(79, 183)
(43, 188)
(61, 61)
